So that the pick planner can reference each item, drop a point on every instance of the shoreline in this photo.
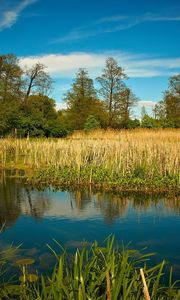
(43, 179)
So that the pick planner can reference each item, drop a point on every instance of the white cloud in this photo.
(148, 17)
(113, 24)
(61, 105)
(9, 16)
(147, 103)
(66, 65)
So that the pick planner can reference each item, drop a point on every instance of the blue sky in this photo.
(64, 35)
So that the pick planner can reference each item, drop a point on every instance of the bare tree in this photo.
(37, 81)
(111, 86)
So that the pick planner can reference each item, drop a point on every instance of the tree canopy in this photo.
(167, 112)
(26, 107)
(82, 101)
(111, 86)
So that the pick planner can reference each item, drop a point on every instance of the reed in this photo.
(127, 158)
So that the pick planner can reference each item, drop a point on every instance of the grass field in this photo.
(127, 159)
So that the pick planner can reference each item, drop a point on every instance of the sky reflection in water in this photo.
(35, 218)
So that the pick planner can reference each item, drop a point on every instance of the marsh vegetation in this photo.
(95, 272)
(134, 159)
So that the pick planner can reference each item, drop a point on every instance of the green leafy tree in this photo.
(55, 129)
(125, 103)
(25, 107)
(82, 101)
(31, 126)
(172, 101)
(10, 93)
(10, 78)
(148, 122)
(132, 124)
(111, 88)
(174, 85)
(42, 105)
(64, 119)
(9, 118)
(172, 104)
(35, 119)
(167, 112)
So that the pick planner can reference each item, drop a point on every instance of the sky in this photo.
(143, 36)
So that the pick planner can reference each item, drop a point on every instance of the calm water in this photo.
(35, 218)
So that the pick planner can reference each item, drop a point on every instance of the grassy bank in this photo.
(93, 272)
(128, 160)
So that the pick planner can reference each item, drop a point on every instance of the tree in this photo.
(143, 112)
(56, 129)
(23, 103)
(43, 106)
(172, 104)
(111, 87)
(172, 101)
(174, 85)
(133, 123)
(123, 108)
(160, 114)
(31, 125)
(168, 110)
(35, 119)
(37, 81)
(82, 101)
(148, 122)
(9, 117)
(10, 93)
(10, 78)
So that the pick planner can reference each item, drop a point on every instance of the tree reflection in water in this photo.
(114, 205)
(10, 199)
(18, 199)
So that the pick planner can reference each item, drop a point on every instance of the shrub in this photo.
(91, 123)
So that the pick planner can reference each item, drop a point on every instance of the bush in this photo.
(148, 122)
(133, 124)
(91, 123)
(56, 129)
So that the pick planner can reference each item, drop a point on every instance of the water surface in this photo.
(34, 218)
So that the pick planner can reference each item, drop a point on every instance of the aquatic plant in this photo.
(95, 272)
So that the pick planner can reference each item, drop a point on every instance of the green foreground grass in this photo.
(93, 272)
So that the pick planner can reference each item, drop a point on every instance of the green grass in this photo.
(95, 273)
(106, 178)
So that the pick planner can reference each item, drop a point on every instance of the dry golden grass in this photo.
(122, 152)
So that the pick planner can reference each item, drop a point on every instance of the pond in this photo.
(33, 218)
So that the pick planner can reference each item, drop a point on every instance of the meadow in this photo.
(127, 159)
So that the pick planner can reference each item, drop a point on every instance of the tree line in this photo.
(27, 109)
